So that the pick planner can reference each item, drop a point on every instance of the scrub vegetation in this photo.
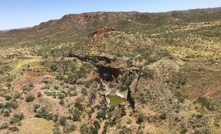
(54, 77)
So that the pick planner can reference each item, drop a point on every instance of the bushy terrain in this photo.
(54, 76)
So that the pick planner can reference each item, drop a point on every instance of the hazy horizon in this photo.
(25, 13)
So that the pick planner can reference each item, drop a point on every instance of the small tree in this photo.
(163, 115)
(14, 120)
(61, 95)
(101, 115)
(63, 120)
(97, 124)
(57, 130)
(30, 98)
(76, 114)
(7, 97)
(140, 118)
(69, 128)
(84, 91)
(54, 68)
(6, 112)
(4, 125)
(14, 104)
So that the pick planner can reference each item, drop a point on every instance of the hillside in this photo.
(113, 72)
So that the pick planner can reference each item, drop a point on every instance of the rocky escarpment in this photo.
(109, 73)
(102, 31)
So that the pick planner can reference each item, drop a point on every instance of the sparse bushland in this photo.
(168, 63)
(42, 112)
(180, 96)
(204, 102)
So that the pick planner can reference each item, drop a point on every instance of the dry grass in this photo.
(36, 126)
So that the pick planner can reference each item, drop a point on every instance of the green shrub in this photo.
(183, 130)
(13, 129)
(140, 118)
(80, 82)
(129, 121)
(97, 124)
(31, 85)
(38, 113)
(88, 84)
(14, 120)
(147, 73)
(6, 112)
(7, 105)
(73, 93)
(206, 103)
(14, 104)
(105, 127)
(163, 116)
(101, 115)
(7, 97)
(78, 104)
(21, 116)
(114, 121)
(61, 95)
(123, 87)
(125, 130)
(182, 80)
(56, 130)
(76, 114)
(55, 118)
(48, 92)
(61, 102)
(94, 130)
(151, 60)
(70, 128)
(1, 105)
(48, 115)
(62, 120)
(84, 129)
(36, 106)
(27, 87)
(59, 77)
(73, 88)
(30, 98)
(84, 91)
(54, 68)
(180, 96)
(80, 73)
(39, 94)
(45, 80)
(4, 125)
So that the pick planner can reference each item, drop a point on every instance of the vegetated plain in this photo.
(54, 76)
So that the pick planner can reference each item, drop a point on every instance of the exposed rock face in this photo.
(103, 30)
(108, 74)
(115, 92)
(105, 70)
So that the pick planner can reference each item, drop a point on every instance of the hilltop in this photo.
(162, 70)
